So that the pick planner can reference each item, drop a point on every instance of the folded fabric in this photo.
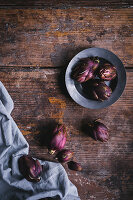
(13, 186)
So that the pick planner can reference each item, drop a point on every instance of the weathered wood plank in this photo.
(52, 37)
(41, 100)
(66, 3)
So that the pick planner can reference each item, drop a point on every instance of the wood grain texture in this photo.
(41, 100)
(36, 46)
(66, 3)
(51, 37)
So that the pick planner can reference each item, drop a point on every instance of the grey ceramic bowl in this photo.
(75, 89)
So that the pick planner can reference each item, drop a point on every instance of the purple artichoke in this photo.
(99, 131)
(107, 72)
(58, 140)
(31, 169)
(64, 155)
(74, 166)
(98, 90)
(84, 70)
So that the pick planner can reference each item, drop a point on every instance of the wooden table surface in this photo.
(37, 41)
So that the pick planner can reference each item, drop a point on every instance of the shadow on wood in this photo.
(45, 132)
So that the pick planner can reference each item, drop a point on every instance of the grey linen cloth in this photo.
(13, 186)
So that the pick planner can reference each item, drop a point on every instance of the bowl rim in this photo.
(121, 75)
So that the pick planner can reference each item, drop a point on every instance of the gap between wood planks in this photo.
(64, 4)
(35, 68)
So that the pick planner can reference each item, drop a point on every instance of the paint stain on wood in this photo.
(61, 105)
(29, 130)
